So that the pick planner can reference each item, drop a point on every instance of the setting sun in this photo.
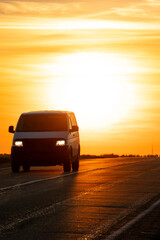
(96, 86)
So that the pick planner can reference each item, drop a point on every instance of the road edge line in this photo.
(132, 222)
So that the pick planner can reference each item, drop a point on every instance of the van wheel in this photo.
(15, 166)
(67, 166)
(75, 164)
(67, 163)
(26, 168)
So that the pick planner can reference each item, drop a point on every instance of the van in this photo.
(45, 138)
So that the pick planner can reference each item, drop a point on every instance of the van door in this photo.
(74, 136)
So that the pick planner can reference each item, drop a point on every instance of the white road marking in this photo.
(51, 178)
(48, 209)
(59, 176)
(46, 179)
(35, 181)
(5, 168)
(132, 222)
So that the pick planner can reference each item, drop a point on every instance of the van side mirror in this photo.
(75, 128)
(11, 129)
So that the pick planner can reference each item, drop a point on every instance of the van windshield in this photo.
(42, 123)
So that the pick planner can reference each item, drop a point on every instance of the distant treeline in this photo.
(112, 155)
(7, 157)
(88, 156)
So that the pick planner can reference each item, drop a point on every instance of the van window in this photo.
(70, 124)
(73, 120)
(42, 123)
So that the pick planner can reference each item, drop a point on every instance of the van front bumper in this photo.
(39, 157)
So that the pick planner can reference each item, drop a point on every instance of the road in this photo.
(95, 203)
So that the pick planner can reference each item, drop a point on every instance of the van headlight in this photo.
(18, 144)
(60, 142)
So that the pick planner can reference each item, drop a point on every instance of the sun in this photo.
(95, 86)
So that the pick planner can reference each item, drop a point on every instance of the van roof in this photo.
(47, 112)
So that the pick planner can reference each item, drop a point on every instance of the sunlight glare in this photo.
(95, 86)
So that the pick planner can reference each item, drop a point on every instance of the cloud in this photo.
(46, 14)
(144, 10)
(153, 3)
(40, 8)
(74, 8)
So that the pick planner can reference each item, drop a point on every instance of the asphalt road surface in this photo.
(107, 199)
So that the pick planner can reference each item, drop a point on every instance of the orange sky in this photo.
(100, 59)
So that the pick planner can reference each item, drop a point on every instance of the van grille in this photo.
(39, 144)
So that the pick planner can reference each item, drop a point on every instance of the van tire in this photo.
(75, 164)
(67, 166)
(26, 168)
(15, 166)
(67, 162)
